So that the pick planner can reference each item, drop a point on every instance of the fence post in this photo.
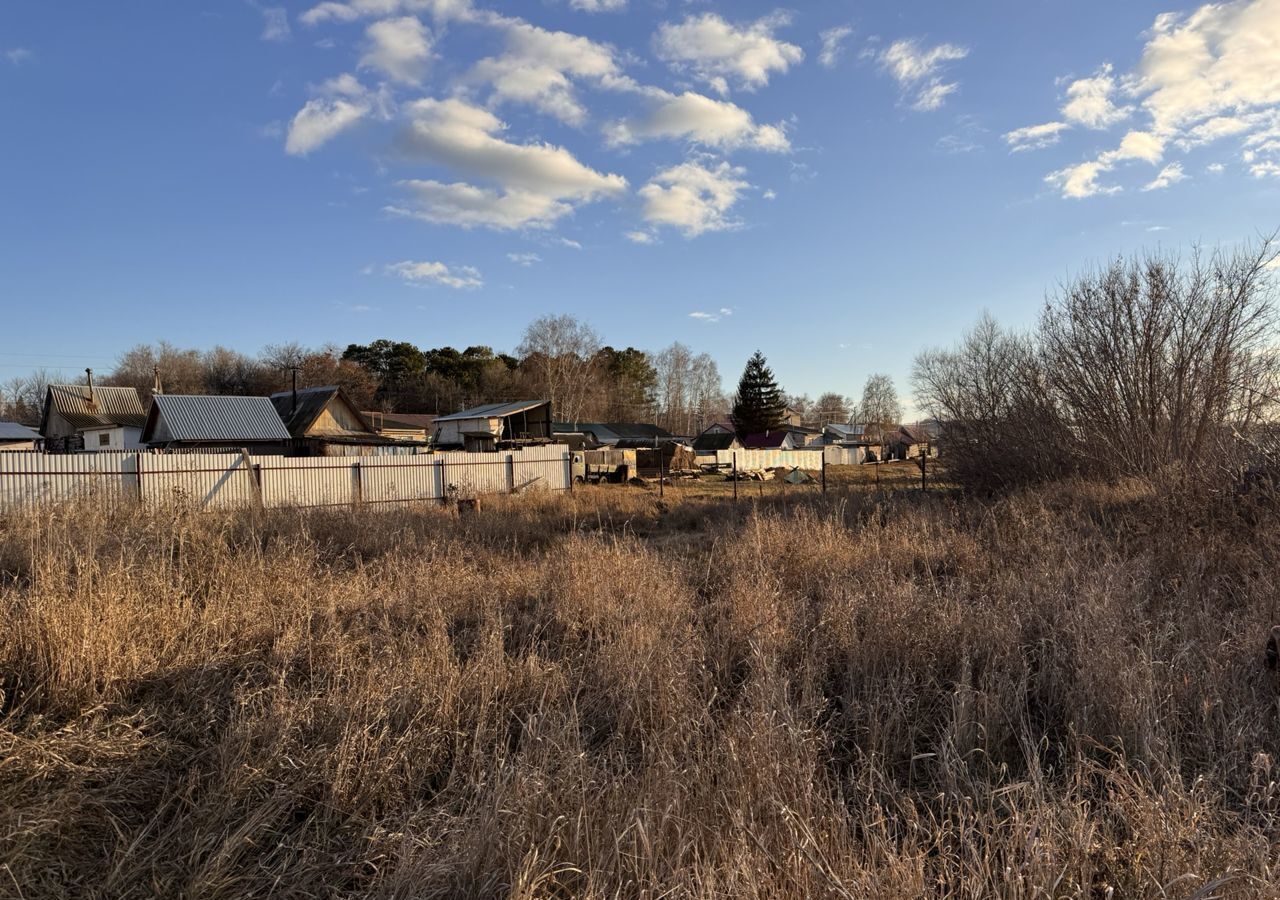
(511, 473)
(824, 471)
(139, 469)
(735, 476)
(662, 459)
(443, 484)
(568, 470)
(358, 472)
(255, 473)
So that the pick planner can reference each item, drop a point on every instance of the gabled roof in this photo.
(494, 410)
(311, 403)
(911, 435)
(716, 440)
(766, 441)
(111, 406)
(208, 417)
(12, 431)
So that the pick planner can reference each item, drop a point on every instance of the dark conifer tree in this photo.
(759, 405)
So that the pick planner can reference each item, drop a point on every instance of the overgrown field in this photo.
(1058, 694)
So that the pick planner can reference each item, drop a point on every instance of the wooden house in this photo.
(322, 421)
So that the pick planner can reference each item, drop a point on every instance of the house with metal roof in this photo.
(709, 442)
(324, 422)
(614, 434)
(87, 417)
(495, 426)
(18, 437)
(213, 422)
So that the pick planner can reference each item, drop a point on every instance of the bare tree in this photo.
(833, 407)
(879, 405)
(689, 390)
(558, 353)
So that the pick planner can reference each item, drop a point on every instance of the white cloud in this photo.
(1266, 169)
(832, 45)
(641, 237)
(18, 55)
(1081, 180)
(464, 137)
(469, 206)
(1204, 76)
(696, 117)
(538, 67)
(342, 104)
(275, 23)
(1215, 168)
(436, 273)
(524, 259)
(918, 69)
(770, 194)
(1089, 101)
(694, 198)
(722, 313)
(398, 48)
(352, 10)
(1170, 174)
(1035, 137)
(594, 6)
(717, 51)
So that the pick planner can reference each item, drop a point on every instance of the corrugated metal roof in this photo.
(12, 431)
(110, 406)
(216, 418)
(493, 410)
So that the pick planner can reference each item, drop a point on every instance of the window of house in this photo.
(104, 440)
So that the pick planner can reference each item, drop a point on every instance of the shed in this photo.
(86, 417)
(18, 437)
(707, 443)
(215, 422)
(324, 422)
(496, 425)
(402, 426)
(907, 443)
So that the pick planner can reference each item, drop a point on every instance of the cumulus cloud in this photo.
(398, 48)
(1088, 101)
(342, 103)
(1081, 180)
(425, 274)
(538, 67)
(524, 259)
(694, 198)
(1204, 76)
(917, 69)
(1170, 174)
(537, 183)
(595, 6)
(641, 237)
(18, 55)
(696, 117)
(832, 45)
(353, 10)
(1035, 137)
(717, 51)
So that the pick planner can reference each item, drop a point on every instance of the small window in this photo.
(104, 440)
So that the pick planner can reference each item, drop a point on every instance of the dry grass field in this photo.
(600, 695)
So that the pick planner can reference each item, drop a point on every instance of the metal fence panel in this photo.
(208, 480)
(308, 481)
(541, 470)
(28, 479)
(391, 479)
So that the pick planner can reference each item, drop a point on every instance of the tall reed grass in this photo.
(1060, 694)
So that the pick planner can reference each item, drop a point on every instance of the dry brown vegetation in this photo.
(1058, 694)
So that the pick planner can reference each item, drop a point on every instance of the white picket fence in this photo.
(223, 480)
(804, 459)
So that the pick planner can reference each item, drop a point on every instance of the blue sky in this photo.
(838, 184)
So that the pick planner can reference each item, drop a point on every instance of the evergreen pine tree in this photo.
(759, 405)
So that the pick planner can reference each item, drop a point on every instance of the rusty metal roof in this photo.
(110, 406)
(234, 420)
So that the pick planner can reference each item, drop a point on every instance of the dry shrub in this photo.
(597, 695)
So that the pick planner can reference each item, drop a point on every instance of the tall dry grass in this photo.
(598, 695)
